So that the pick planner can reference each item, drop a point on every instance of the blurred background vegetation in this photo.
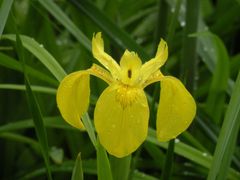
(204, 53)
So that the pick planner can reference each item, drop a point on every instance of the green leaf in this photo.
(77, 173)
(227, 138)
(120, 167)
(35, 111)
(90, 129)
(22, 139)
(66, 22)
(42, 54)
(103, 165)
(216, 96)
(9, 62)
(189, 50)
(41, 89)
(49, 122)
(4, 11)
(120, 37)
(202, 158)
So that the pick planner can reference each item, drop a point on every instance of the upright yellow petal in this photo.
(176, 109)
(121, 119)
(155, 63)
(73, 97)
(130, 65)
(106, 60)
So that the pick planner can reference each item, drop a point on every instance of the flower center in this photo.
(126, 95)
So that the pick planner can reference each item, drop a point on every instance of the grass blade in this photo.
(216, 96)
(189, 55)
(190, 153)
(77, 173)
(4, 11)
(42, 54)
(166, 172)
(120, 167)
(35, 111)
(8, 62)
(103, 165)
(49, 122)
(120, 37)
(89, 127)
(66, 22)
(41, 89)
(227, 138)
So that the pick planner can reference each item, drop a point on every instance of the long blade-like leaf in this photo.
(35, 111)
(227, 138)
(4, 11)
(42, 54)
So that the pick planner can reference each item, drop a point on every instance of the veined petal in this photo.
(121, 119)
(176, 109)
(106, 60)
(155, 63)
(130, 65)
(73, 97)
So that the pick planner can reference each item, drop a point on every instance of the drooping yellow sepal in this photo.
(121, 119)
(73, 97)
(176, 109)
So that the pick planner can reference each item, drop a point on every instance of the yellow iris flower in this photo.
(121, 114)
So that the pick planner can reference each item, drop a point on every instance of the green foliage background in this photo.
(202, 35)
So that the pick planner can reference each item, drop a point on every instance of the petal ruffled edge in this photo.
(176, 109)
(73, 97)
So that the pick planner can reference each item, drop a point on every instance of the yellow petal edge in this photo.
(73, 97)
(176, 109)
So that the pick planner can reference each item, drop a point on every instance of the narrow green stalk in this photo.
(189, 55)
(120, 167)
(173, 23)
(161, 27)
(159, 33)
(167, 170)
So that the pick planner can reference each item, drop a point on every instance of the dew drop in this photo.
(204, 154)
(182, 23)
(176, 140)
(172, 10)
(41, 45)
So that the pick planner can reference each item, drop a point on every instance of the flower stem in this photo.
(167, 169)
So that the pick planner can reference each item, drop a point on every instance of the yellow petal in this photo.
(130, 67)
(73, 97)
(155, 63)
(176, 109)
(121, 119)
(106, 60)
